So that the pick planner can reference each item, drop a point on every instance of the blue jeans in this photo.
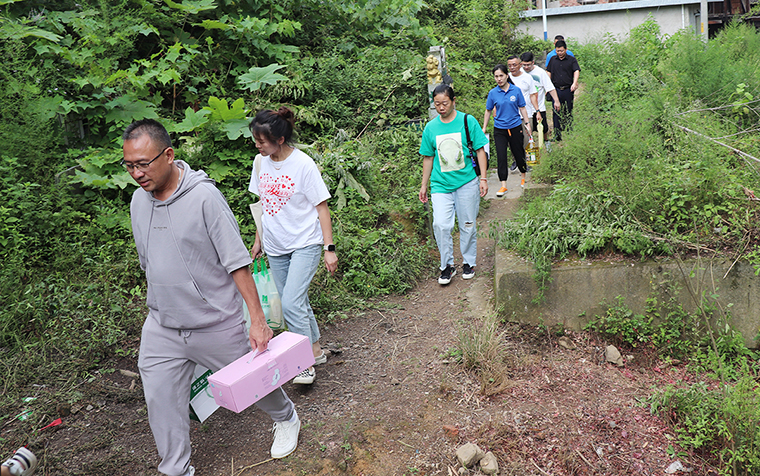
(465, 201)
(292, 275)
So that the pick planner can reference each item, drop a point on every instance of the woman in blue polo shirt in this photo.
(507, 104)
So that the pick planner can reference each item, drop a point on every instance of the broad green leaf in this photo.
(104, 157)
(237, 127)
(93, 180)
(213, 25)
(128, 109)
(218, 170)
(122, 180)
(174, 52)
(145, 29)
(22, 31)
(220, 111)
(255, 78)
(190, 7)
(169, 75)
(192, 120)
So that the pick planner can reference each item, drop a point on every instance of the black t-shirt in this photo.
(562, 70)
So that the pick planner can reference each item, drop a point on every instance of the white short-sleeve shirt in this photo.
(528, 86)
(289, 191)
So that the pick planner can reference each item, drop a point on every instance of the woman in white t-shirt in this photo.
(295, 221)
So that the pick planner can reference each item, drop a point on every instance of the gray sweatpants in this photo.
(167, 362)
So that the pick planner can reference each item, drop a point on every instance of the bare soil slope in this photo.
(392, 400)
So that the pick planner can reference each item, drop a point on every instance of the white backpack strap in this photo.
(257, 164)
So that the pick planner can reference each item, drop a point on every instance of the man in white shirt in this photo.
(528, 86)
(544, 85)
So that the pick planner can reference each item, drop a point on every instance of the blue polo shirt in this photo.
(508, 104)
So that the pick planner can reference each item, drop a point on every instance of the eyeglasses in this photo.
(143, 166)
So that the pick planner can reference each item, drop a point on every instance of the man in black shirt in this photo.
(563, 70)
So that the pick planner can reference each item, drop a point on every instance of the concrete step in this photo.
(578, 287)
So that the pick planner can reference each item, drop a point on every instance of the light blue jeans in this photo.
(292, 275)
(465, 202)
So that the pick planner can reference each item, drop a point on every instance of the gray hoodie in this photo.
(188, 245)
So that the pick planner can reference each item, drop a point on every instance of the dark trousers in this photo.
(509, 139)
(564, 118)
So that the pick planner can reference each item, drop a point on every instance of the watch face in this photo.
(330, 248)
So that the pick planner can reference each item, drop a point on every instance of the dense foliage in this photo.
(76, 73)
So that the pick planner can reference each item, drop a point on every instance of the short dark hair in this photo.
(560, 44)
(273, 125)
(511, 57)
(444, 89)
(559, 37)
(155, 130)
(526, 57)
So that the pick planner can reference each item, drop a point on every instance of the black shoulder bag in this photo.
(473, 152)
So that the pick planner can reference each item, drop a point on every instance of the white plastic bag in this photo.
(202, 403)
(268, 296)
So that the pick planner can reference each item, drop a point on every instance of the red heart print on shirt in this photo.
(275, 192)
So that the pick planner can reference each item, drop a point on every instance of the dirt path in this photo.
(380, 404)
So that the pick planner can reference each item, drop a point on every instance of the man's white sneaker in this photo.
(22, 463)
(285, 437)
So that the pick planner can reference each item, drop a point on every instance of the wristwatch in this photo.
(330, 248)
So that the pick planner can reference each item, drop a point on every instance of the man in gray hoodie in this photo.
(196, 265)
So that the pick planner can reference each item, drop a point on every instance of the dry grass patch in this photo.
(483, 348)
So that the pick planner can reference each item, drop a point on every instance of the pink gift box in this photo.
(255, 375)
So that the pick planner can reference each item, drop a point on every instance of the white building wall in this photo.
(585, 24)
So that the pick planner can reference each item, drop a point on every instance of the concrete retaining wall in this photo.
(574, 296)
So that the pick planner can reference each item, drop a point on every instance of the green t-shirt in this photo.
(447, 144)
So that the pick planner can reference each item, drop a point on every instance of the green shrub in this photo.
(664, 326)
(720, 422)
(631, 177)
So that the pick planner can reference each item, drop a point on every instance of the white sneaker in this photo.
(320, 359)
(285, 437)
(306, 377)
(22, 463)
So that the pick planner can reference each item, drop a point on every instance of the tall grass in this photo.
(629, 164)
